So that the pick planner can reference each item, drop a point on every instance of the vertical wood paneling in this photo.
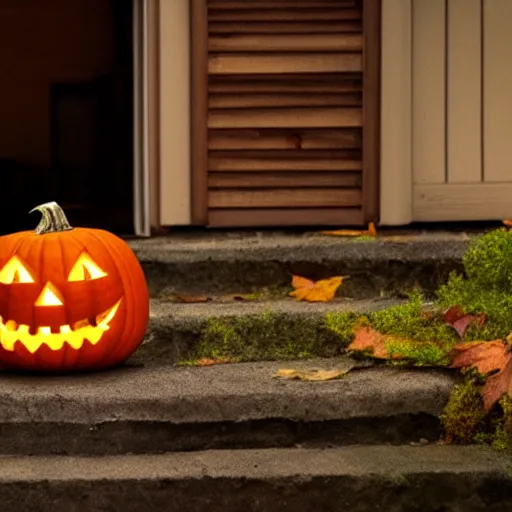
(464, 105)
(497, 90)
(428, 91)
(396, 150)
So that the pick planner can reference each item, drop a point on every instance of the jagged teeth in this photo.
(11, 332)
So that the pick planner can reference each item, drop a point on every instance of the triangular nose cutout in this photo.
(49, 296)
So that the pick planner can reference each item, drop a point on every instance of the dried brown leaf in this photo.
(460, 321)
(312, 375)
(484, 356)
(498, 384)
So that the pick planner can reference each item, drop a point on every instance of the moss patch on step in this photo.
(465, 421)
(272, 336)
(485, 287)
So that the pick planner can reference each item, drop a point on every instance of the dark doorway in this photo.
(66, 112)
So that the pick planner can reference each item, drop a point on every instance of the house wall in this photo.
(447, 110)
(45, 41)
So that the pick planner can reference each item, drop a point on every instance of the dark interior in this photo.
(66, 112)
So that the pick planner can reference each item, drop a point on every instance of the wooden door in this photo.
(285, 112)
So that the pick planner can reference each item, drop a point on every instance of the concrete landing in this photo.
(231, 262)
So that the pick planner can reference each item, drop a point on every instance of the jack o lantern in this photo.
(71, 299)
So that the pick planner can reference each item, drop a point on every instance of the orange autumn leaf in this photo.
(206, 361)
(315, 291)
(371, 341)
(371, 231)
(486, 357)
(498, 384)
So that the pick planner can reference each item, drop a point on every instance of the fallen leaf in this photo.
(497, 385)
(508, 223)
(311, 375)
(460, 321)
(189, 299)
(205, 361)
(371, 341)
(371, 231)
(315, 291)
(486, 357)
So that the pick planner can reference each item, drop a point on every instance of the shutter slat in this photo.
(219, 64)
(284, 179)
(224, 5)
(220, 101)
(282, 164)
(261, 217)
(286, 15)
(270, 139)
(287, 42)
(285, 198)
(285, 27)
(286, 118)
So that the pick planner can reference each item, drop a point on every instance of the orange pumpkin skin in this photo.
(89, 273)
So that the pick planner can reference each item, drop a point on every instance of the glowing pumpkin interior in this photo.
(16, 273)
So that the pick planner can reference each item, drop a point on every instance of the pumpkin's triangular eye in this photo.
(85, 269)
(15, 271)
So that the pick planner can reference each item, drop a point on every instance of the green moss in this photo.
(364, 238)
(464, 413)
(501, 438)
(420, 353)
(488, 260)
(343, 325)
(410, 320)
(268, 336)
(487, 287)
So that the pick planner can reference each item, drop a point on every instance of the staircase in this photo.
(153, 436)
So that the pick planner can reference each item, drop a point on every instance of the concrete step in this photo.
(159, 409)
(178, 331)
(236, 263)
(356, 478)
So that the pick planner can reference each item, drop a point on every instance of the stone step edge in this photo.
(355, 478)
(374, 267)
(222, 393)
(176, 331)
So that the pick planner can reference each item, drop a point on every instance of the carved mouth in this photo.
(11, 332)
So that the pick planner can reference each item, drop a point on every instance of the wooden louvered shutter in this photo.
(280, 136)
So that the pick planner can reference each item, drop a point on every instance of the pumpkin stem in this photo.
(53, 219)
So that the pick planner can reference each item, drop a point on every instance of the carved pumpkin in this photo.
(71, 299)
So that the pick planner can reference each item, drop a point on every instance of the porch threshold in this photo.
(392, 264)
